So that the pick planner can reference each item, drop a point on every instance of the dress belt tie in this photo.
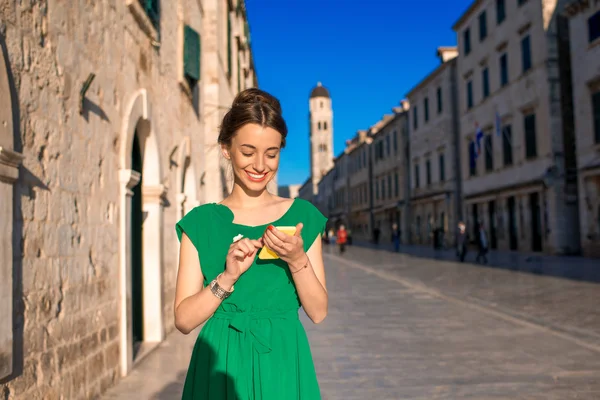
(259, 338)
(250, 338)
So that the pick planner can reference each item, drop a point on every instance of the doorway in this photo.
(137, 251)
(512, 223)
(475, 217)
(492, 227)
(536, 222)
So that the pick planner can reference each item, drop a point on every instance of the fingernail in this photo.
(270, 227)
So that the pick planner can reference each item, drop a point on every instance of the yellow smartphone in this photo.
(268, 254)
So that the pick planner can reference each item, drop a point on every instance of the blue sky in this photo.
(368, 54)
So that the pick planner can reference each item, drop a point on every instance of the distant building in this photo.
(520, 173)
(289, 191)
(434, 167)
(320, 122)
(584, 29)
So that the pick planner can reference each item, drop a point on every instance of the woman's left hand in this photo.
(289, 248)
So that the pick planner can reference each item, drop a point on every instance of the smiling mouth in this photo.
(256, 177)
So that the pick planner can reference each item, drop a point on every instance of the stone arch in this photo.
(186, 185)
(138, 124)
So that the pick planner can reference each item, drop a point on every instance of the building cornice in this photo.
(434, 74)
(467, 14)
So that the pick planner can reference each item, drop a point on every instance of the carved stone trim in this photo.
(9, 165)
(154, 193)
(129, 178)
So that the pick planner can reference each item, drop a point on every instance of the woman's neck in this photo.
(243, 198)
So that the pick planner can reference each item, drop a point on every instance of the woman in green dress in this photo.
(252, 345)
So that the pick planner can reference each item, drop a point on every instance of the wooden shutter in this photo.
(191, 53)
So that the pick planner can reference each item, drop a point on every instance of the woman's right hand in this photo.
(240, 257)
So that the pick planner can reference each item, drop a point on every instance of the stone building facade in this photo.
(105, 114)
(359, 185)
(435, 197)
(584, 29)
(388, 166)
(513, 87)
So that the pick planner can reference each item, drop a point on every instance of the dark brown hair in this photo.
(252, 106)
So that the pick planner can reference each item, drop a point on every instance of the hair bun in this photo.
(256, 96)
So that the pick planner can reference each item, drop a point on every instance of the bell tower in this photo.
(321, 134)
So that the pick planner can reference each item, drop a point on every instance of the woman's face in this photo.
(254, 155)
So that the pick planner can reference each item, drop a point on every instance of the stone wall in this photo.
(73, 200)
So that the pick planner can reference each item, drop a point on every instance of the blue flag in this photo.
(478, 137)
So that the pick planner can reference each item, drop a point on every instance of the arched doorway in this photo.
(141, 224)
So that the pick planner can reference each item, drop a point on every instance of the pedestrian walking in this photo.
(235, 269)
(482, 244)
(396, 237)
(342, 238)
(462, 238)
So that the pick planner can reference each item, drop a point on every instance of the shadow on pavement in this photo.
(567, 267)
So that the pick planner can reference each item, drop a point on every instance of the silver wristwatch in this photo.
(219, 291)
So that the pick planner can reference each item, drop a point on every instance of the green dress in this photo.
(254, 347)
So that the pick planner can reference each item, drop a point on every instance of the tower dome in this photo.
(319, 91)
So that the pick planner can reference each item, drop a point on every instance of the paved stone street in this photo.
(407, 327)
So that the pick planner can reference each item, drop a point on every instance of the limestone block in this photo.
(28, 379)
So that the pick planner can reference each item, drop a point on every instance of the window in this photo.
(507, 145)
(390, 184)
(467, 40)
(415, 115)
(521, 2)
(594, 27)
(530, 140)
(500, 11)
(383, 188)
(439, 100)
(152, 9)
(503, 70)
(325, 125)
(396, 188)
(482, 26)
(596, 113)
(442, 163)
(472, 163)
(428, 171)
(388, 144)
(426, 107)
(319, 125)
(321, 104)
(416, 175)
(485, 78)
(469, 95)
(526, 53)
(395, 134)
(489, 153)
(191, 56)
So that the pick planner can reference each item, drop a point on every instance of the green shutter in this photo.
(191, 53)
(152, 9)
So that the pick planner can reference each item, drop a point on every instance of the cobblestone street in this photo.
(407, 327)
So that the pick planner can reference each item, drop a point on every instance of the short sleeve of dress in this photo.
(314, 223)
(191, 225)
